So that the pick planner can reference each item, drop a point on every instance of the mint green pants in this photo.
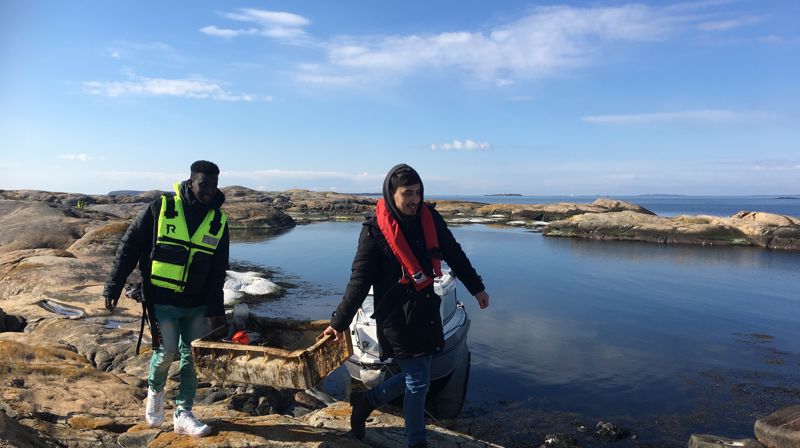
(179, 327)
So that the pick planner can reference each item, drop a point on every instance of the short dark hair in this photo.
(404, 177)
(205, 167)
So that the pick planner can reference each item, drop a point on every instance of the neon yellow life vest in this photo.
(174, 251)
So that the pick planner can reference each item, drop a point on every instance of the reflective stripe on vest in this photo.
(174, 250)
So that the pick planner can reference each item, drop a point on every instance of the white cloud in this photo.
(690, 116)
(547, 40)
(316, 74)
(193, 87)
(334, 80)
(212, 30)
(268, 18)
(81, 156)
(284, 26)
(728, 24)
(458, 145)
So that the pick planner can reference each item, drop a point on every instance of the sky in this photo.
(529, 97)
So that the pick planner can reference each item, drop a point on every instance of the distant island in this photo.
(786, 197)
(660, 195)
(503, 194)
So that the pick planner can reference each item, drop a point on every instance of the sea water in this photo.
(666, 340)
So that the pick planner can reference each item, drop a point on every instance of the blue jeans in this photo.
(179, 327)
(414, 382)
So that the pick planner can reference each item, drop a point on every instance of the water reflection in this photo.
(639, 251)
(257, 235)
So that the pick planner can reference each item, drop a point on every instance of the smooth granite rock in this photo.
(386, 430)
(780, 429)
(769, 230)
(101, 240)
(628, 225)
(533, 212)
(37, 225)
(709, 441)
(252, 215)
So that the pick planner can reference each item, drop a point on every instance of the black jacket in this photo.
(136, 246)
(409, 323)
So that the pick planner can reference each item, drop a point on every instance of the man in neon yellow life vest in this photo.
(180, 242)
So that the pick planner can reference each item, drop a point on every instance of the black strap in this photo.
(152, 324)
(170, 213)
(169, 239)
(168, 280)
(141, 328)
(216, 223)
(186, 244)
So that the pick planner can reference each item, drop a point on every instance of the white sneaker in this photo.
(187, 423)
(154, 411)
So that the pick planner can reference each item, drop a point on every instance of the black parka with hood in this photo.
(409, 323)
(136, 246)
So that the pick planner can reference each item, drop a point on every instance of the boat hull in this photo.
(455, 352)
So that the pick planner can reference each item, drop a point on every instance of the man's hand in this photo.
(333, 332)
(220, 326)
(111, 303)
(483, 299)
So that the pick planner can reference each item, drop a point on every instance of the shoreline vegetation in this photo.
(72, 377)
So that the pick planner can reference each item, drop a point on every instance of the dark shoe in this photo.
(361, 410)
(419, 445)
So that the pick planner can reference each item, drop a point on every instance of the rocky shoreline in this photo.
(603, 219)
(72, 378)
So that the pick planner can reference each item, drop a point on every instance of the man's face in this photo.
(204, 186)
(407, 199)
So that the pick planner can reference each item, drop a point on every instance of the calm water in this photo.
(666, 340)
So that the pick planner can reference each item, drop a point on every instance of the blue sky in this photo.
(540, 98)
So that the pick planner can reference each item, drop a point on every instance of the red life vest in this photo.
(412, 270)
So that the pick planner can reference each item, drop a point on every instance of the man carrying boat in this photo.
(399, 253)
(181, 244)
